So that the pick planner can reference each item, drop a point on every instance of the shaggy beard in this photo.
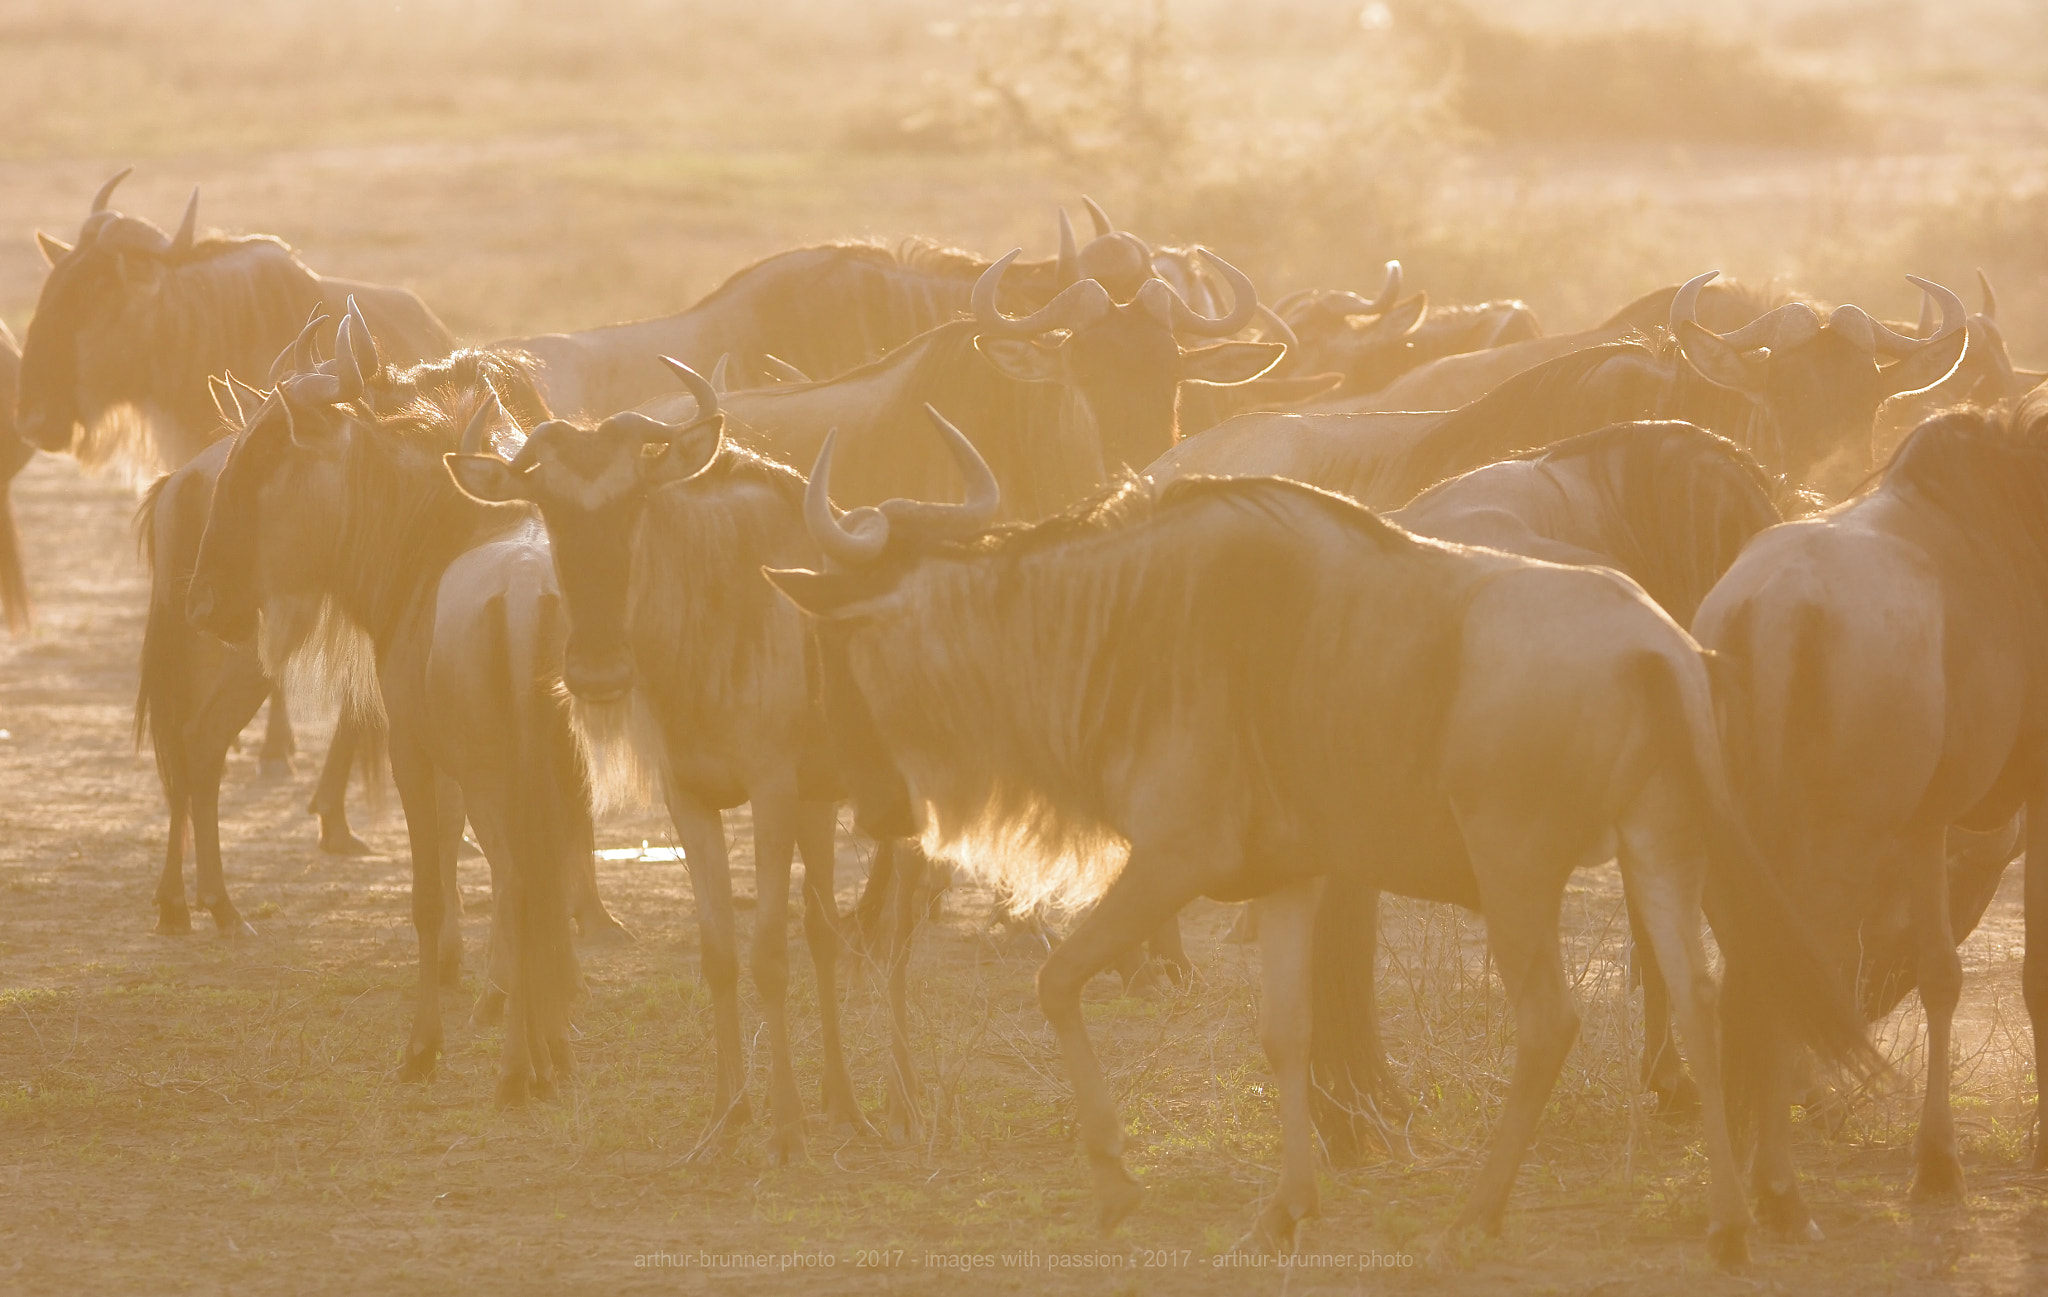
(321, 659)
(621, 750)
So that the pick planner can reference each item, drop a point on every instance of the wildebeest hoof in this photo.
(1274, 1233)
(606, 931)
(1783, 1212)
(1116, 1196)
(786, 1146)
(340, 842)
(174, 922)
(513, 1090)
(1938, 1179)
(418, 1061)
(490, 1008)
(1728, 1245)
(274, 768)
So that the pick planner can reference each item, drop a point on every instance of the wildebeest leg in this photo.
(774, 846)
(1662, 1073)
(815, 823)
(278, 743)
(450, 814)
(1938, 1171)
(1286, 942)
(2034, 970)
(1353, 1085)
(1521, 885)
(902, 865)
(230, 699)
(1663, 876)
(417, 793)
(173, 919)
(1148, 890)
(330, 795)
(1168, 952)
(702, 834)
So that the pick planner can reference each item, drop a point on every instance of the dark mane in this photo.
(1134, 501)
(1987, 470)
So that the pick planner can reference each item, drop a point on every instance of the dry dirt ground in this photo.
(205, 1114)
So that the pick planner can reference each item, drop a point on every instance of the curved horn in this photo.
(979, 503)
(1390, 288)
(846, 545)
(1076, 305)
(1278, 328)
(1244, 303)
(721, 373)
(54, 250)
(475, 434)
(1068, 268)
(181, 242)
(706, 394)
(362, 343)
(298, 357)
(1882, 340)
(99, 200)
(1925, 325)
(783, 370)
(1984, 287)
(1685, 304)
(1104, 227)
(348, 373)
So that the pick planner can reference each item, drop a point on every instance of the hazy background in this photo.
(528, 164)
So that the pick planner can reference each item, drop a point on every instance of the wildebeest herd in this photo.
(1068, 574)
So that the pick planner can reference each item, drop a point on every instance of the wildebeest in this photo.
(1459, 379)
(1810, 402)
(14, 456)
(1884, 680)
(327, 507)
(659, 534)
(1373, 341)
(829, 309)
(131, 322)
(1985, 377)
(1231, 687)
(1068, 395)
(130, 326)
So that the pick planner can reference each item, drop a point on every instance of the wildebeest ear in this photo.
(1719, 363)
(1930, 365)
(485, 477)
(690, 451)
(820, 594)
(54, 250)
(1229, 363)
(1404, 317)
(1025, 359)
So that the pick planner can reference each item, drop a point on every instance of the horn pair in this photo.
(1086, 301)
(854, 537)
(178, 244)
(1796, 322)
(340, 380)
(1068, 269)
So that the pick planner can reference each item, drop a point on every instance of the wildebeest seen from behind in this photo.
(14, 456)
(131, 324)
(325, 504)
(1886, 670)
(659, 534)
(1668, 505)
(1228, 688)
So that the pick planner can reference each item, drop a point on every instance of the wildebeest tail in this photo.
(14, 600)
(1763, 943)
(160, 698)
(548, 803)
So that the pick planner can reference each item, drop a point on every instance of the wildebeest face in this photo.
(84, 353)
(1125, 359)
(591, 486)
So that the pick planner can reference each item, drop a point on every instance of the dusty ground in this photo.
(201, 1114)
